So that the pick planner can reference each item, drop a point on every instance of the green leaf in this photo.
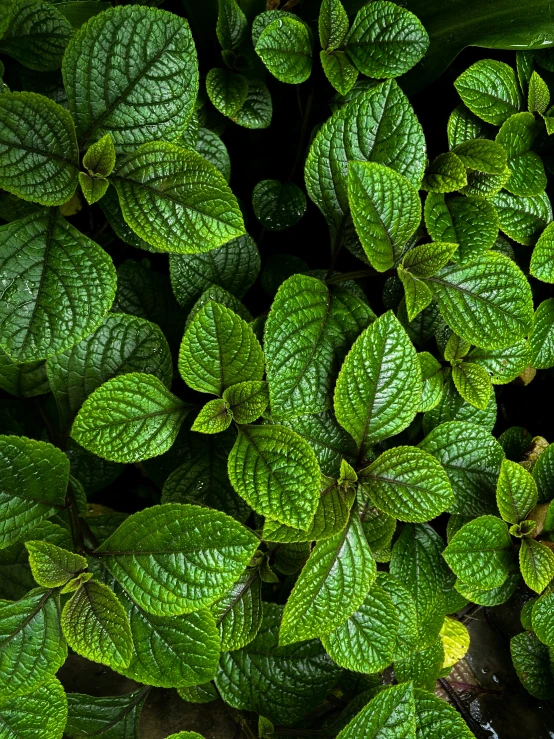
(386, 40)
(212, 148)
(543, 618)
(218, 350)
(522, 218)
(473, 382)
(38, 150)
(40, 715)
(214, 417)
(219, 295)
(174, 559)
(96, 626)
(53, 566)
(482, 185)
(432, 378)
(423, 667)
(452, 407)
(542, 259)
(492, 596)
(23, 380)
(308, 331)
(527, 171)
(536, 561)
(464, 126)
(239, 612)
(100, 157)
(490, 90)
(282, 683)
(427, 259)
(538, 96)
(516, 492)
(445, 174)
(285, 47)
(407, 634)
(480, 553)
(93, 188)
(378, 125)
(278, 205)
(332, 586)
(108, 95)
(276, 472)
(121, 344)
(231, 24)
(418, 295)
(58, 286)
(435, 719)
(391, 713)
(339, 70)
(503, 365)
(455, 641)
(487, 303)
(366, 642)
(542, 336)
(116, 717)
(532, 664)
(33, 483)
(32, 647)
(247, 400)
(258, 107)
(379, 385)
(456, 348)
(37, 35)
(483, 155)
(129, 418)
(162, 184)
(227, 90)
(332, 24)
(408, 484)
(383, 230)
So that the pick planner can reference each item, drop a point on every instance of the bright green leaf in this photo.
(516, 492)
(239, 612)
(391, 713)
(446, 173)
(538, 96)
(522, 218)
(231, 24)
(490, 90)
(214, 417)
(40, 715)
(53, 566)
(227, 90)
(332, 24)
(247, 400)
(473, 382)
(285, 48)
(542, 336)
(542, 259)
(543, 618)
(536, 561)
(339, 70)
(483, 155)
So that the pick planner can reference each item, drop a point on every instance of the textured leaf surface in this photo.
(23, 380)
(239, 612)
(432, 379)
(332, 24)
(452, 407)
(231, 24)
(482, 155)
(41, 715)
(214, 417)
(278, 205)
(435, 719)
(542, 336)
(339, 70)
(492, 596)
(490, 90)
(108, 95)
(536, 562)
(407, 637)
(53, 566)
(542, 259)
(516, 492)
(258, 107)
(173, 559)
(390, 714)
(532, 664)
(445, 174)
(285, 48)
(522, 218)
(226, 90)
(247, 400)
(116, 717)
(455, 641)
(129, 418)
(56, 285)
(543, 618)
(503, 365)
(527, 171)
(473, 382)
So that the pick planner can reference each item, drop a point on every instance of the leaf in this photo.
(161, 184)
(96, 626)
(32, 647)
(23, 380)
(38, 150)
(532, 664)
(247, 400)
(425, 260)
(379, 125)
(386, 40)
(100, 157)
(339, 70)
(276, 472)
(284, 46)
(488, 302)
(214, 417)
(258, 107)
(332, 24)
(129, 418)
(408, 484)
(108, 95)
(227, 90)
(482, 185)
(366, 642)
(516, 492)
(445, 174)
(333, 584)
(239, 612)
(455, 641)
(456, 348)
(542, 336)
(432, 378)
(40, 715)
(407, 634)
(490, 90)
(194, 553)
(435, 719)
(278, 205)
(542, 618)
(480, 552)
(538, 96)
(57, 285)
(391, 713)
(503, 365)
(231, 24)
(492, 596)
(379, 385)
(33, 482)
(282, 683)
(536, 562)
(307, 333)
(178, 651)
(452, 407)
(542, 259)
(37, 35)
(53, 566)
(212, 148)
(522, 218)
(219, 295)
(527, 171)
(218, 350)
(473, 383)
(483, 155)
(93, 188)
(417, 294)
(464, 126)
(116, 717)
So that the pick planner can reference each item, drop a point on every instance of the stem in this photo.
(75, 521)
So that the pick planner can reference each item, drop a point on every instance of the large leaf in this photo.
(522, 218)
(307, 333)
(239, 612)
(391, 713)
(490, 89)
(33, 484)
(174, 559)
(115, 717)
(152, 98)
(435, 719)
(57, 285)
(379, 385)
(176, 200)
(129, 418)
(40, 715)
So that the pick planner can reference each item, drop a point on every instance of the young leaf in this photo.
(339, 70)
(39, 157)
(106, 94)
(473, 382)
(503, 365)
(455, 641)
(390, 713)
(258, 107)
(100, 157)
(53, 566)
(522, 218)
(129, 418)
(214, 417)
(445, 174)
(483, 155)
(278, 205)
(542, 336)
(239, 612)
(116, 716)
(456, 348)
(386, 40)
(332, 24)
(96, 626)
(383, 230)
(227, 90)
(218, 350)
(543, 618)
(433, 381)
(193, 553)
(532, 663)
(247, 400)
(33, 483)
(538, 96)
(276, 472)
(516, 492)
(308, 330)
(231, 24)
(162, 184)
(542, 259)
(333, 584)
(285, 47)
(379, 385)
(40, 715)
(427, 259)
(536, 562)
(417, 294)
(93, 188)
(490, 90)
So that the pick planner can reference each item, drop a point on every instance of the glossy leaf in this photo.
(536, 561)
(542, 259)
(542, 336)
(115, 717)
(390, 713)
(247, 400)
(227, 90)
(53, 566)
(278, 205)
(516, 492)
(522, 218)
(40, 715)
(285, 48)
(490, 90)
(238, 614)
(532, 664)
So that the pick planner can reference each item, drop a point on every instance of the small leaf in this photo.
(483, 155)
(278, 205)
(214, 417)
(522, 218)
(445, 174)
(463, 126)
(542, 259)
(456, 348)
(503, 365)
(432, 379)
(285, 48)
(52, 566)
(93, 188)
(417, 294)
(473, 382)
(227, 90)
(516, 492)
(116, 717)
(527, 171)
(455, 641)
(390, 713)
(247, 400)
(542, 617)
(258, 107)
(100, 157)
(231, 24)
(490, 90)
(427, 259)
(40, 715)
(536, 562)
(538, 96)
(333, 24)
(339, 70)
